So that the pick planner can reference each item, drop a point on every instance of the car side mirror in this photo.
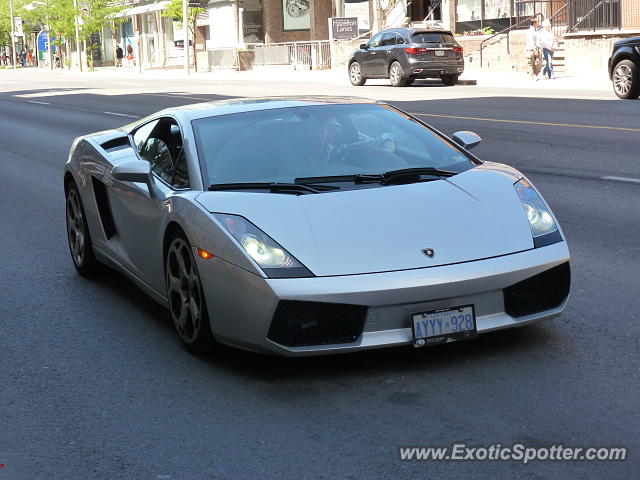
(466, 139)
(132, 171)
(363, 46)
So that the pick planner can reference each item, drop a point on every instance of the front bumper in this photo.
(242, 307)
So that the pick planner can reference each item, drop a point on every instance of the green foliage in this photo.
(479, 32)
(174, 10)
(59, 16)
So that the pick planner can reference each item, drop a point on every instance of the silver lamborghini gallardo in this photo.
(301, 226)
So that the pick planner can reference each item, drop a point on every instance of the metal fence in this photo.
(300, 55)
(594, 15)
(574, 15)
(223, 57)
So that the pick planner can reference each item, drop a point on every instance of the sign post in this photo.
(77, 26)
(185, 27)
(13, 40)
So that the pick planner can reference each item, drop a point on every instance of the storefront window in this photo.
(497, 8)
(149, 23)
(469, 10)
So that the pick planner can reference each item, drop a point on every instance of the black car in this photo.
(404, 54)
(624, 68)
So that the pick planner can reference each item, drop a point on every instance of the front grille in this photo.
(539, 293)
(298, 324)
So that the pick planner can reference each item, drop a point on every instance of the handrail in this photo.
(507, 30)
(560, 11)
(433, 9)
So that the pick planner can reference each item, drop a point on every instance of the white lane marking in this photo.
(39, 103)
(622, 179)
(120, 114)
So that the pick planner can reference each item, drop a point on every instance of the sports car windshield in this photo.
(280, 145)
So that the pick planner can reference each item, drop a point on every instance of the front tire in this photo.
(626, 83)
(186, 300)
(396, 75)
(80, 245)
(355, 75)
(450, 80)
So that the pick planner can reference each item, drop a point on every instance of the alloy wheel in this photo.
(183, 285)
(622, 79)
(75, 227)
(395, 74)
(356, 74)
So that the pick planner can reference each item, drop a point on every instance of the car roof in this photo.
(411, 31)
(243, 105)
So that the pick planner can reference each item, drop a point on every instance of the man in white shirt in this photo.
(532, 49)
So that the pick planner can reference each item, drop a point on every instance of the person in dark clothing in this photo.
(119, 56)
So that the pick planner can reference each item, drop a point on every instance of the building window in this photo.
(497, 8)
(469, 10)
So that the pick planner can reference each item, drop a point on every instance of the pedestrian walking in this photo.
(119, 56)
(23, 58)
(3, 58)
(129, 56)
(30, 58)
(532, 49)
(549, 44)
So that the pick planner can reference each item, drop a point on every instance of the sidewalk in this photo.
(338, 77)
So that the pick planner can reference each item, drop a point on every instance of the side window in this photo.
(160, 143)
(399, 39)
(388, 39)
(140, 136)
(375, 41)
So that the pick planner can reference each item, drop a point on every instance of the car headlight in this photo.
(543, 226)
(274, 260)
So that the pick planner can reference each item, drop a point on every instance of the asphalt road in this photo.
(94, 384)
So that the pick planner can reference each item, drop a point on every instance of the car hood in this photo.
(474, 215)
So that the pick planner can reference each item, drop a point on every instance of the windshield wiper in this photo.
(356, 178)
(275, 187)
(413, 174)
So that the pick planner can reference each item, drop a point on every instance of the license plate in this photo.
(439, 53)
(443, 325)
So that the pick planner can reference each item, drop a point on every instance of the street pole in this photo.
(13, 40)
(75, 18)
(185, 25)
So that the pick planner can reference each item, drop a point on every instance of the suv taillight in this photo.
(415, 51)
(458, 49)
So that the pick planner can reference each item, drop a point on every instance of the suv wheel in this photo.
(355, 75)
(625, 79)
(450, 80)
(395, 75)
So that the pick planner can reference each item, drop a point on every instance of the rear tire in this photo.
(450, 80)
(78, 236)
(626, 82)
(355, 75)
(186, 299)
(396, 75)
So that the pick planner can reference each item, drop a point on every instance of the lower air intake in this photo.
(298, 324)
(541, 292)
